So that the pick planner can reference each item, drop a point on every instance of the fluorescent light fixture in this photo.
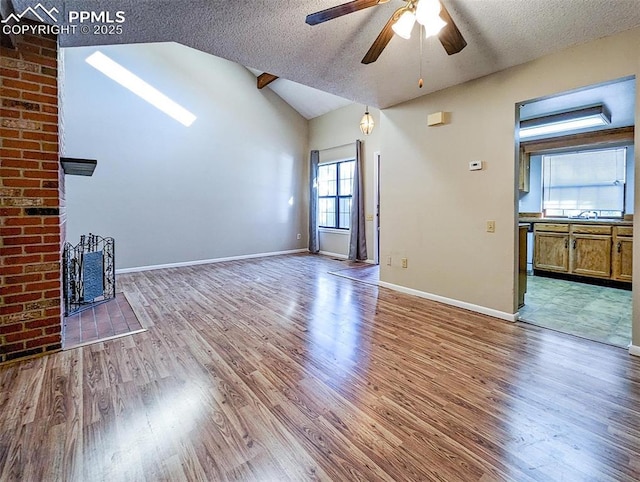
(135, 84)
(593, 116)
(404, 24)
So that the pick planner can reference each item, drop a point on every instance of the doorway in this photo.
(574, 282)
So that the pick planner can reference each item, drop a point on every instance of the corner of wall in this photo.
(30, 201)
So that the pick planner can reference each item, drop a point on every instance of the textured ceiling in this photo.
(271, 35)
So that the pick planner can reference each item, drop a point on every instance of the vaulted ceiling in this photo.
(272, 36)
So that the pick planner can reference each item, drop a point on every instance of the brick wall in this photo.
(30, 194)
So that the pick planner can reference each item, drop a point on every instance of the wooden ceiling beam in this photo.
(265, 79)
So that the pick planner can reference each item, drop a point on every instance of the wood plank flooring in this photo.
(273, 369)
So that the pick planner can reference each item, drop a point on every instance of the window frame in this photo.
(336, 198)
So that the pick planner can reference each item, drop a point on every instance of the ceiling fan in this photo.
(430, 13)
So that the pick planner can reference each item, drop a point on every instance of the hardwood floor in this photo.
(273, 369)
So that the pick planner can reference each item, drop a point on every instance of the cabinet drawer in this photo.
(624, 230)
(590, 229)
(551, 227)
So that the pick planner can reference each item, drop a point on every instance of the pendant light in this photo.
(366, 123)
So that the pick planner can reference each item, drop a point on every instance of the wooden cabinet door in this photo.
(591, 255)
(551, 252)
(622, 258)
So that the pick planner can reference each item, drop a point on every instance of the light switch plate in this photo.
(475, 166)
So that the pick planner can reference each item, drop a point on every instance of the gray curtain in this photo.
(357, 238)
(314, 239)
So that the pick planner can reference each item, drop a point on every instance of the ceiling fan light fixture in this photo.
(427, 10)
(366, 123)
(433, 26)
(404, 25)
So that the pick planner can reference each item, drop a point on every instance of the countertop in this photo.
(617, 222)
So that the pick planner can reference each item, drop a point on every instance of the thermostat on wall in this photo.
(475, 166)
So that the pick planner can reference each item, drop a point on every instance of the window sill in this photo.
(344, 232)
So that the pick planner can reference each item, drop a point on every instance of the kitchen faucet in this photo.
(582, 214)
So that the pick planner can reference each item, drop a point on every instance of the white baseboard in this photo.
(208, 261)
(634, 350)
(449, 301)
(333, 255)
(345, 256)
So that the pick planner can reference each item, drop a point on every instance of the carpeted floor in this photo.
(102, 322)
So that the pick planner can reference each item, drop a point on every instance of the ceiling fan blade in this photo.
(340, 10)
(384, 37)
(450, 37)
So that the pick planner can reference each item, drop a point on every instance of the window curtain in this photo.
(357, 238)
(314, 237)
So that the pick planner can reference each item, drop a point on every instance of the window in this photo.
(584, 181)
(335, 184)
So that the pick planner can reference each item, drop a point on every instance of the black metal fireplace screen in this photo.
(89, 273)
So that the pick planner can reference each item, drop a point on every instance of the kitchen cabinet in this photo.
(590, 250)
(524, 171)
(622, 253)
(596, 250)
(551, 247)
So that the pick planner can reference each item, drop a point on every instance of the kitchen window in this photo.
(335, 184)
(583, 183)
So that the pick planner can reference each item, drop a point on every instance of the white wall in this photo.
(329, 134)
(434, 210)
(169, 193)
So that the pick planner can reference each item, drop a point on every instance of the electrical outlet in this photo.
(491, 226)
(404, 262)
(299, 236)
(388, 260)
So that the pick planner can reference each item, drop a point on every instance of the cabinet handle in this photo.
(566, 243)
(574, 244)
(619, 246)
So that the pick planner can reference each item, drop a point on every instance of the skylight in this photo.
(142, 89)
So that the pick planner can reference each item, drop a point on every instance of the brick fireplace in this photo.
(31, 200)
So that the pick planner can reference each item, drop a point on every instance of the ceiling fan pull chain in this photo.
(420, 82)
